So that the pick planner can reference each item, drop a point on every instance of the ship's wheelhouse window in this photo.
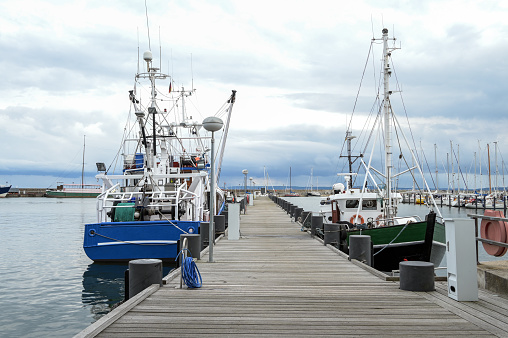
(369, 204)
(352, 203)
(366, 204)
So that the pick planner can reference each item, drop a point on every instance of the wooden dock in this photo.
(278, 281)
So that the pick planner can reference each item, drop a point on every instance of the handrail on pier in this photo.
(483, 240)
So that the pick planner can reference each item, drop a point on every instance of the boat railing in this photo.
(418, 218)
(110, 198)
(477, 217)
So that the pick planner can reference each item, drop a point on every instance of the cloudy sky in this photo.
(67, 67)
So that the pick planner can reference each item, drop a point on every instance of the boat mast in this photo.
(266, 181)
(459, 174)
(495, 161)
(290, 189)
(453, 172)
(390, 207)
(435, 161)
(349, 137)
(83, 164)
(488, 158)
(475, 172)
(311, 169)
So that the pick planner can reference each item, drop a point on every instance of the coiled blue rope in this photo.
(190, 272)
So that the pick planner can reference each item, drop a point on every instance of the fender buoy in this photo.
(378, 220)
(495, 231)
(360, 219)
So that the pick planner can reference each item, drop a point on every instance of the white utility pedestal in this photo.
(461, 259)
(233, 221)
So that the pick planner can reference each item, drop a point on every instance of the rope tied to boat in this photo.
(393, 240)
(189, 270)
(173, 224)
(305, 220)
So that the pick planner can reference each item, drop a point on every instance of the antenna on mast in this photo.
(160, 50)
(138, 47)
(372, 26)
(148, 27)
(192, 73)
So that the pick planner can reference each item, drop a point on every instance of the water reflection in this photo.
(104, 286)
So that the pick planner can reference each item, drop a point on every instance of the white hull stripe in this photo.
(138, 242)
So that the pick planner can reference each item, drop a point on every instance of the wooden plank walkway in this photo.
(278, 281)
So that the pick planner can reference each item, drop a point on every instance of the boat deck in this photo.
(278, 281)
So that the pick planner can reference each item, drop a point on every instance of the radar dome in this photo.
(147, 56)
(338, 188)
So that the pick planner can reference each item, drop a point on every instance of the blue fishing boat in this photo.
(163, 189)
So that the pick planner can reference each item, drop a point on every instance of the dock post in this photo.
(204, 230)
(292, 211)
(226, 218)
(360, 248)
(331, 234)
(298, 213)
(220, 224)
(193, 244)
(306, 218)
(416, 276)
(316, 222)
(143, 273)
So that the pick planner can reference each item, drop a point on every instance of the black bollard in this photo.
(204, 230)
(298, 212)
(360, 248)
(193, 244)
(331, 234)
(316, 223)
(416, 276)
(143, 273)
(220, 224)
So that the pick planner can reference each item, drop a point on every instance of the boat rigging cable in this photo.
(356, 99)
(409, 125)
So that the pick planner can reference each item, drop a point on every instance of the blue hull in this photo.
(4, 189)
(123, 241)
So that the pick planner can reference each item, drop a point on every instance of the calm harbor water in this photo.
(49, 287)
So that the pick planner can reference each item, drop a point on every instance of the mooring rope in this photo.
(305, 220)
(387, 245)
(173, 224)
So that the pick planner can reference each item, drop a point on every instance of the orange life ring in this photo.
(378, 220)
(360, 218)
(495, 231)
